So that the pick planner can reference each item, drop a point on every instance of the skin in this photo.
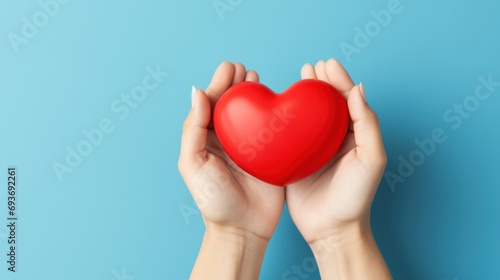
(240, 212)
(331, 208)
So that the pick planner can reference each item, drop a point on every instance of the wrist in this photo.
(229, 253)
(350, 253)
(237, 237)
(340, 239)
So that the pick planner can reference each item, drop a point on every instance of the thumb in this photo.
(194, 133)
(367, 134)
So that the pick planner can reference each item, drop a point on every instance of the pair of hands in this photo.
(330, 208)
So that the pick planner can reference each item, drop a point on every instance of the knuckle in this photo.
(373, 117)
(371, 120)
(383, 159)
(180, 166)
(380, 160)
(183, 164)
(186, 125)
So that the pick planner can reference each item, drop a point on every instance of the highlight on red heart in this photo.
(281, 138)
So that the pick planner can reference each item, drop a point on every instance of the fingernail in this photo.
(193, 96)
(362, 90)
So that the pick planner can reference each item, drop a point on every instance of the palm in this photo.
(342, 191)
(246, 202)
(226, 195)
(328, 199)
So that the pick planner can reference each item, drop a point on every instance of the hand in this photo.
(331, 208)
(236, 207)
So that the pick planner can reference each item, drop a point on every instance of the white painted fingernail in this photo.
(362, 90)
(193, 96)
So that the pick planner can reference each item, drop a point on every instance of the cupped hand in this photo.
(337, 198)
(229, 199)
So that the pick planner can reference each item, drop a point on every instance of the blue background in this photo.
(119, 212)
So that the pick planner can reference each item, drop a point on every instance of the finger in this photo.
(338, 76)
(214, 147)
(307, 72)
(194, 133)
(346, 146)
(221, 81)
(252, 76)
(320, 69)
(239, 73)
(350, 128)
(367, 133)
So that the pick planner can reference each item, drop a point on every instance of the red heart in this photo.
(281, 138)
